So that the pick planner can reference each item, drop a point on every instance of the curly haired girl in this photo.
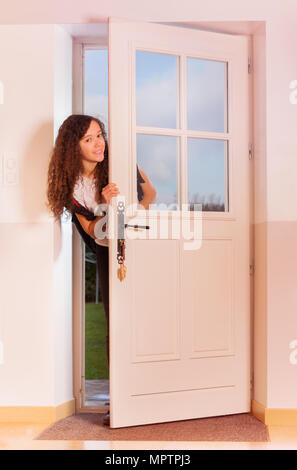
(78, 182)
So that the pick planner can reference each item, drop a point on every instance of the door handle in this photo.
(121, 272)
(136, 227)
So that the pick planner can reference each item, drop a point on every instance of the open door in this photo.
(180, 320)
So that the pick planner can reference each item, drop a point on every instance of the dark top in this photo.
(139, 188)
(79, 209)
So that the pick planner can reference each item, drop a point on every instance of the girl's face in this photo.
(92, 144)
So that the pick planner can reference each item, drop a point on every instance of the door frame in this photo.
(78, 247)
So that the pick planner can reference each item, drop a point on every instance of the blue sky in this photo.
(156, 98)
(96, 71)
(96, 84)
(156, 90)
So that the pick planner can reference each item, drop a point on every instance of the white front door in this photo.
(180, 321)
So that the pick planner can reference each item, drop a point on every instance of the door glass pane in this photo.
(156, 89)
(157, 156)
(207, 95)
(96, 84)
(208, 174)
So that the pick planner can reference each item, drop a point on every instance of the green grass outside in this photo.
(96, 365)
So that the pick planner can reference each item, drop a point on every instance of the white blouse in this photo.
(84, 193)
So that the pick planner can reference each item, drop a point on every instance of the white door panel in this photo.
(179, 322)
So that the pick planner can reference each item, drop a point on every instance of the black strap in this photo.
(81, 210)
(139, 188)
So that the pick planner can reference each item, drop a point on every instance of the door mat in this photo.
(89, 426)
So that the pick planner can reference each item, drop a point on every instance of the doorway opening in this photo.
(95, 103)
(90, 97)
(96, 363)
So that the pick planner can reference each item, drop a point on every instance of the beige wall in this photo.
(260, 216)
(29, 115)
(62, 249)
(36, 275)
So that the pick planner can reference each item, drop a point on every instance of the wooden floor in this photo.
(19, 436)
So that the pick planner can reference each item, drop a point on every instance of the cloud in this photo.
(156, 104)
(156, 100)
(156, 107)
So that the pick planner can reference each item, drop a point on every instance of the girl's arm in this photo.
(108, 192)
(88, 225)
(149, 192)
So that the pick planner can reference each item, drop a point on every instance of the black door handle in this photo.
(137, 226)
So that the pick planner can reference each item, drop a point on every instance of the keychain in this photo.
(121, 239)
(122, 270)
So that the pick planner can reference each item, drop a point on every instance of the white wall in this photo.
(275, 134)
(36, 313)
(63, 372)
(260, 216)
(281, 211)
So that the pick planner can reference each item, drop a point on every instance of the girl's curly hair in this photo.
(66, 164)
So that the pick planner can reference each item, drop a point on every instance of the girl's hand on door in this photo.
(109, 191)
(149, 192)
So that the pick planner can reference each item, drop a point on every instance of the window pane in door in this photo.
(156, 89)
(157, 157)
(208, 174)
(207, 95)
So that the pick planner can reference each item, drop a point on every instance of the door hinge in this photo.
(252, 382)
(250, 65)
(251, 151)
(252, 269)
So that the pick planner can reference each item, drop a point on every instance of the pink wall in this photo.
(35, 274)
(275, 162)
(66, 11)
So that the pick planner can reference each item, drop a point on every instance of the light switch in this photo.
(10, 170)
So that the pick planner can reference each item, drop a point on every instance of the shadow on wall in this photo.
(34, 173)
(33, 180)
